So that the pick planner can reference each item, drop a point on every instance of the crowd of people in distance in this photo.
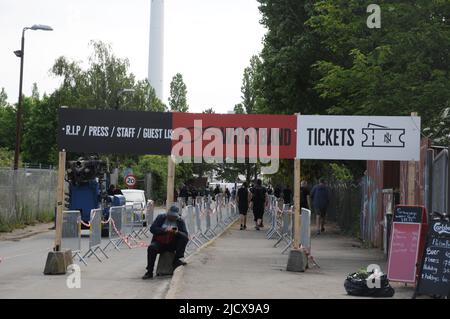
(170, 232)
(254, 198)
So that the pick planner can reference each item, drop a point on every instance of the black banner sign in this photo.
(408, 214)
(99, 131)
(434, 278)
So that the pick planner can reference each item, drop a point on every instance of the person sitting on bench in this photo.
(169, 235)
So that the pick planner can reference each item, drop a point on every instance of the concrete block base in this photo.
(298, 261)
(57, 262)
(165, 264)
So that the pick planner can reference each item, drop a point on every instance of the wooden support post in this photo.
(298, 210)
(60, 199)
(170, 181)
(412, 179)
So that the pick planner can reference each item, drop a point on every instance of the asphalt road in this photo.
(22, 265)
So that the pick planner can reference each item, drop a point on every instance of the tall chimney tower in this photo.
(156, 52)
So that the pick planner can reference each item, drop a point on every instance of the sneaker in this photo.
(147, 276)
(256, 227)
(177, 263)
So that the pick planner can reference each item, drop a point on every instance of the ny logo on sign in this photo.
(374, 20)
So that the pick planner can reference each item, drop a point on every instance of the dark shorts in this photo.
(322, 212)
(258, 212)
(243, 210)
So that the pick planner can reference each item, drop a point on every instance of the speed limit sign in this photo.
(130, 181)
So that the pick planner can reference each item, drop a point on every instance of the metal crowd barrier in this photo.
(71, 233)
(137, 222)
(286, 227)
(115, 227)
(95, 235)
(282, 221)
(275, 215)
(204, 220)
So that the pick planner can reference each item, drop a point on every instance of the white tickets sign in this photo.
(358, 138)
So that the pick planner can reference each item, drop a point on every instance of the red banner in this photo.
(240, 136)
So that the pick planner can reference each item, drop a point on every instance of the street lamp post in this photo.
(21, 53)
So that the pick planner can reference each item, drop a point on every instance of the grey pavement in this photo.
(22, 264)
(239, 264)
(243, 264)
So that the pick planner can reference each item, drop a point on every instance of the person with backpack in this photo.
(259, 200)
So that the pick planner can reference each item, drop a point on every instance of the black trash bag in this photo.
(356, 285)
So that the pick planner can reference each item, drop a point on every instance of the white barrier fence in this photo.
(281, 229)
(129, 226)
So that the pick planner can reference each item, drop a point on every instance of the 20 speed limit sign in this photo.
(130, 181)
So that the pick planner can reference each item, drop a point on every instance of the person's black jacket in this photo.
(156, 227)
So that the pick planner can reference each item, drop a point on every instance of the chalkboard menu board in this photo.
(434, 278)
(408, 214)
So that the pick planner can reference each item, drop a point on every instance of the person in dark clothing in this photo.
(112, 190)
(305, 195)
(277, 191)
(194, 192)
(233, 194)
(169, 234)
(259, 199)
(184, 193)
(227, 194)
(287, 195)
(320, 196)
(243, 201)
(217, 190)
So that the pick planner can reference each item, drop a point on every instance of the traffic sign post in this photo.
(130, 181)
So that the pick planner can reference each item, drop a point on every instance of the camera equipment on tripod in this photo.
(85, 170)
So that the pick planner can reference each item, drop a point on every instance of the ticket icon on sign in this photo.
(381, 136)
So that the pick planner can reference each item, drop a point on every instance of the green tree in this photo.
(290, 49)
(7, 122)
(209, 111)
(178, 94)
(39, 138)
(99, 84)
(395, 70)
(239, 109)
(250, 86)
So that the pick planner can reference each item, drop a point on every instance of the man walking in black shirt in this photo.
(243, 200)
(259, 202)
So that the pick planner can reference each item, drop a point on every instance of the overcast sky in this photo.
(209, 41)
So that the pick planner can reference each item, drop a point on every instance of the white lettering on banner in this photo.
(358, 138)
(441, 229)
(98, 131)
